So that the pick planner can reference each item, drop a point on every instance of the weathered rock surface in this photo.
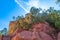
(6, 38)
(58, 37)
(27, 35)
(39, 31)
(45, 27)
(45, 36)
(11, 27)
(0, 37)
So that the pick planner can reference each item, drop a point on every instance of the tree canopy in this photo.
(3, 32)
(50, 15)
(57, 1)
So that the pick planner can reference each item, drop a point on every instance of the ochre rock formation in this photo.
(1, 37)
(39, 30)
(58, 37)
(11, 27)
(28, 35)
(45, 27)
(6, 38)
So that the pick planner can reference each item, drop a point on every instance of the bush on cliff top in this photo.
(50, 15)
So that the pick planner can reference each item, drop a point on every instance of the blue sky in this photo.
(10, 8)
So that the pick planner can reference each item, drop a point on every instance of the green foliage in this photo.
(41, 20)
(57, 1)
(50, 15)
(54, 19)
(14, 18)
(27, 25)
(36, 17)
(0, 33)
(57, 25)
(50, 9)
(3, 32)
(19, 17)
(34, 11)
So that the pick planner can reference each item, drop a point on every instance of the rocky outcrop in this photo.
(1, 37)
(58, 37)
(28, 35)
(6, 38)
(11, 27)
(45, 27)
(39, 31)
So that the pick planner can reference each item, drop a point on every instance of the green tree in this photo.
(0, 33)
(19, 17)
(57, 25)
(35, 15)
(51, 9)
(14, 18)
(34, 11)
(57, 1)
(3, 32)
(54, 19)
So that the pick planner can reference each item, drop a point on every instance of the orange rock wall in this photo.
(13, 23)
(11, 27)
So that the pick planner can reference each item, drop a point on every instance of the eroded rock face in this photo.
(6, 38)
(45, 27)
(28, 35)
(11, 27)
(24, 35)
(58, 37)
(45, 36)
(15, 38)
(39, 31)
(1, 37)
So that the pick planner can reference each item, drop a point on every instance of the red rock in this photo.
(45, 36)
(15, 38)
(6, 37)
(28, 35)
(58, 36)
(45, 27)
(1, 37)
(11, 27)
(25, 35)
(39, 32)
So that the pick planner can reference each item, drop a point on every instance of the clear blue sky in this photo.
(10, 8)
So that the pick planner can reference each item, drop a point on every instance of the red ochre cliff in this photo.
(38, 31)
